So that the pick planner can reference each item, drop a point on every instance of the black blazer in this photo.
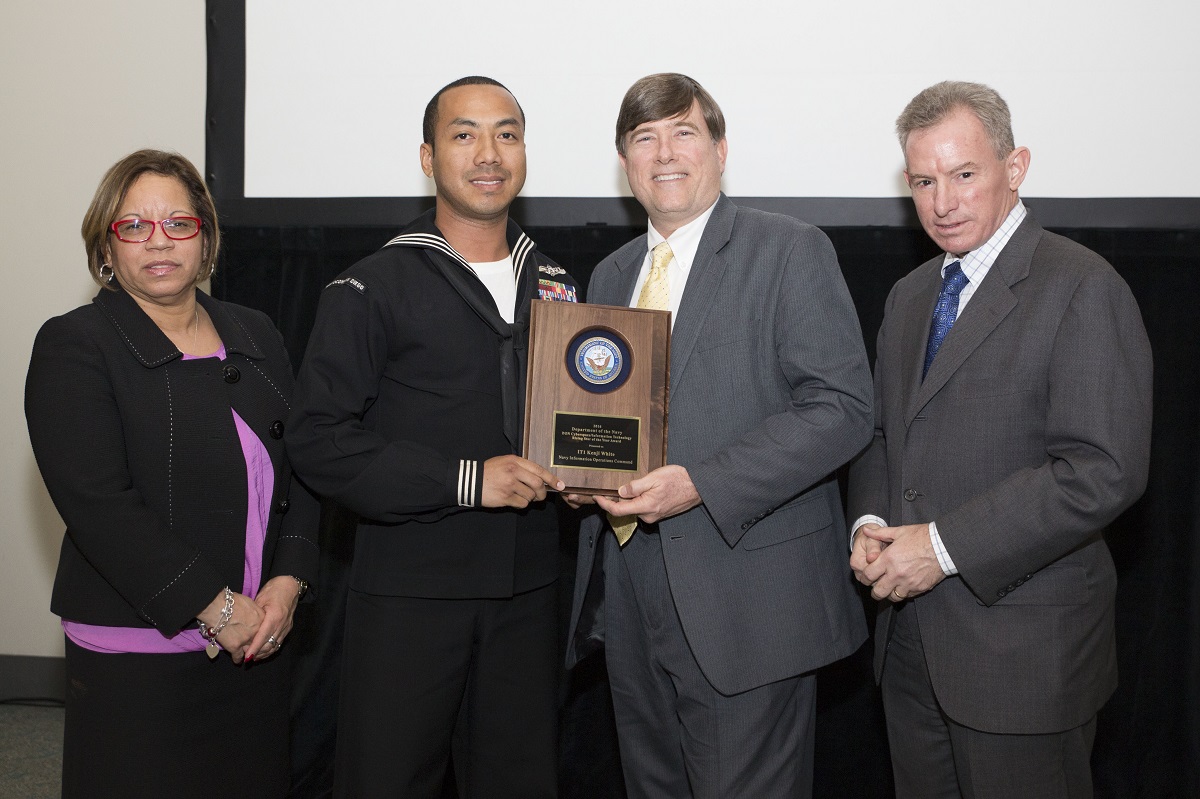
(140, 454)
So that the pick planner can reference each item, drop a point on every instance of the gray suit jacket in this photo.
(1030, 433)
(769, 394)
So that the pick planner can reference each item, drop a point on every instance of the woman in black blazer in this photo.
(156, 416)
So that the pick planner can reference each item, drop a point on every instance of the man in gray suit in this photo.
(1002, 449)
(734, 586)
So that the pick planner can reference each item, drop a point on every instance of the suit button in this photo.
(282, 506)
(745, 525)
(591, 541)
(910, 494)
(276, 429)
(231, 373)
(1001, 593)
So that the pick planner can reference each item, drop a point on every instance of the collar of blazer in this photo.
(990, 304)
(151, 347)
(704, 278)
(423, 234)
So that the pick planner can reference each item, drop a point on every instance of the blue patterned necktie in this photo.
(945, 312)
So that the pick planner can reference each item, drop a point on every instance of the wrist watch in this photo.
(302, 586)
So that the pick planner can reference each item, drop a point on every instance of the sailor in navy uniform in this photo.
(409, 412)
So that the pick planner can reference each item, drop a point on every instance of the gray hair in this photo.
(933, 105)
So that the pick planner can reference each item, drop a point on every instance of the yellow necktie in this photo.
(656, 292)
(656, 295)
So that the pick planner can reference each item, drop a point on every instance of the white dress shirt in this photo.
(684, 243)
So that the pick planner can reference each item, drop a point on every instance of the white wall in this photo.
(61, 127)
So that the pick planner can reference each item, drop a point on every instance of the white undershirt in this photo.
(498, 277)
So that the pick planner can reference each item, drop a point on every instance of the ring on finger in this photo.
(272, 641)
(896, 593)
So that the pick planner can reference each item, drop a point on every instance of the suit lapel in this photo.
(629, 265)
(991, 303)
(914, 335)
(471, 289)
(463, 280)
(699, 295)
(423, 235)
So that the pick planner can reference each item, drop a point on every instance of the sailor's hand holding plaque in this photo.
(596, 396)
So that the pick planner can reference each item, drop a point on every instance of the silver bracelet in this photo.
(210, 633)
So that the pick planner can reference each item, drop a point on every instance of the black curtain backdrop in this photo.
(1148, 736)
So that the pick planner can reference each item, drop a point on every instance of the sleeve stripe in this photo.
(466, 482)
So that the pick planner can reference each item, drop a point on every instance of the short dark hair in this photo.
(665, 96)
(429, 123)
(940, 100)
(115, 185)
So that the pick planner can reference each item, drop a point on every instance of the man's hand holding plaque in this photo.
(512, 482)
(665, 492)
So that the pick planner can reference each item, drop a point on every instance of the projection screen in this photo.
(315, 108)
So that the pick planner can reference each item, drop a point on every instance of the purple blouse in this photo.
(260, 483)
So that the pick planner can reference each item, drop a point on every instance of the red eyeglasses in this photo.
(135, 231)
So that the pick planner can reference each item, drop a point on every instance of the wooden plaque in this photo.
(596, 393)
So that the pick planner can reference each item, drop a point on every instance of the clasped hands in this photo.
(897, 562)
(258, 626)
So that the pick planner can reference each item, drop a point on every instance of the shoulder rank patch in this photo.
(553, 290)
(353, 283)
(552, 270)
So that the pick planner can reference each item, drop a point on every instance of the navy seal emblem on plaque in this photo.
(598, 361)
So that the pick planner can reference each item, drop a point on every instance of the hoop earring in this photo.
(106, 276)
